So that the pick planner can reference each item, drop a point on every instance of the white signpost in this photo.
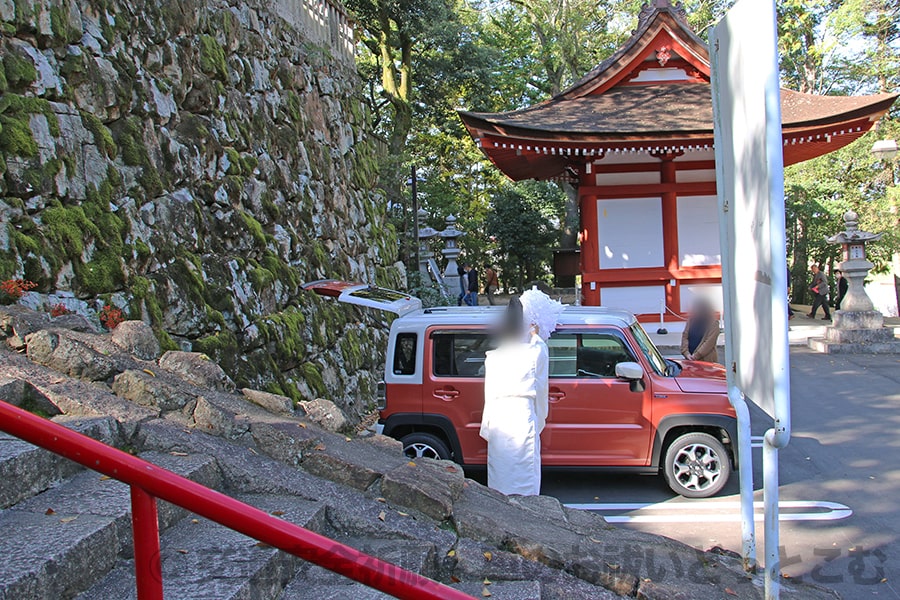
(750, 180)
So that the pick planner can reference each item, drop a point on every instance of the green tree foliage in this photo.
(520, 225)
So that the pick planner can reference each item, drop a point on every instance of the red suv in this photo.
(615, 401)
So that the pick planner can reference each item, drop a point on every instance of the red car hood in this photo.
(701, 378)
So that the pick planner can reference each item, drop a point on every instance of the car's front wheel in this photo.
(418, 445)
(697, 465)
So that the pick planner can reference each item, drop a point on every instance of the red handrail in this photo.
(149, 482)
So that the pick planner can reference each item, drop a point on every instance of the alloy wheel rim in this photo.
(697, 467)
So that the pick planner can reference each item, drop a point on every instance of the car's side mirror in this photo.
(629, 370)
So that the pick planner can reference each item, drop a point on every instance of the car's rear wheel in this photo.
(697, 465)
(419, 445)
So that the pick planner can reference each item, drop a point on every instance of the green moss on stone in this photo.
(234, 160)
(142, 250)
(102, 135)
(313, 377)
(212, 57)
(16, 137)
(254, 228)
(62, 29)
(67, 227)
(222, 347)
(102, 274)
(19, 71)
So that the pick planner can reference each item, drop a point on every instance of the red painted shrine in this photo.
(636, 136)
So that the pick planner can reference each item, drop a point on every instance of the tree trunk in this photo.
(569, 235)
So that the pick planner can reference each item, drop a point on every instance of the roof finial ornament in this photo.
(648, 9)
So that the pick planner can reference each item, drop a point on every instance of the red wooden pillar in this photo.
(670, 230)
(590, 245)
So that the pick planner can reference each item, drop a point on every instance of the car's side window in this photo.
(600, 353)
(405, 354)
(459, 354)
(563, 348)
(586, 355)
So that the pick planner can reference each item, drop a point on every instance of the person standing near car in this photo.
(491, 283)
(516, 395)
(819, 288)
(701, 334)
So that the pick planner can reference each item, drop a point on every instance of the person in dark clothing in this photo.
(472, 296)
(701, 334)
(463, 284)
(819, 288)
(842, 286)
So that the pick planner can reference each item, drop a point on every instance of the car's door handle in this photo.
(555, 395)
(445, 394)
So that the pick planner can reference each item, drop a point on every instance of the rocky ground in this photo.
(65, 532)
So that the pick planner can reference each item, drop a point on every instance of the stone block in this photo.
(197, 369)
(325, 414)
(274, 403)
(17, 322)
(137, 338)
(213, 419)
(429, 487)
(148, 390)
(863, 319)
(67, 355)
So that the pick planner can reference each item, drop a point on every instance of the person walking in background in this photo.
(463, 283)
(841, 288)
(472, 286)
(491, 283)
(819, 288)
(701, 334)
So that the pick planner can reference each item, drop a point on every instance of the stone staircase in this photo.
(65, 532)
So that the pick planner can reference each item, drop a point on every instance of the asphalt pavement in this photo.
(840, 482)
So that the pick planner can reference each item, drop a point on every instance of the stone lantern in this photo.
(451, 252)
(857, 327)
(855, 266)
(425, 253)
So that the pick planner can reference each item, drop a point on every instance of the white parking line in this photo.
(705, 512)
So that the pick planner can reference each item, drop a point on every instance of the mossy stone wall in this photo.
(193, 162)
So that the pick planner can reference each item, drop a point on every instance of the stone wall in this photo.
(192, 162)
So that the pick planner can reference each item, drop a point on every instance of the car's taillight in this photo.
(380, 396)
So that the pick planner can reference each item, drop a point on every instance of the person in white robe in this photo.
(516, 396)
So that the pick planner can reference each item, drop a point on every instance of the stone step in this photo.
(202, 560)
(63, 540)
(502, 590)
(312, 581)
(26, 470)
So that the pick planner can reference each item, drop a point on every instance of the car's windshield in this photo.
(649, 349)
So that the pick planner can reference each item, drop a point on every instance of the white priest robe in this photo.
(515, 411)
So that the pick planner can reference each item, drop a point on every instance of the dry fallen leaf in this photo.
(402, 514)
(50, 511)
(381, 516)
(612, 566)
(730, 592)
(319, 447)
(195, 521)
(303, 425)
(105, 477)
(181, 551)
(67, 519)
(883, 580)
(488, 556)
(379, 499)
(595, 540)
(451, 553)
(262, 545)
(485, 593)
(176, 453)
(487, 581)
(277, 513)
(411, 463)
(346, 439)
(451, 469)
(454, 579)
(149, 372)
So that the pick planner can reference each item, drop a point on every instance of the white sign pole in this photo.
(750, 181)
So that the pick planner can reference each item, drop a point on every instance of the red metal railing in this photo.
(149, 482)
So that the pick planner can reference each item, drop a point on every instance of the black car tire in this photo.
(697, 465)
(418, 445)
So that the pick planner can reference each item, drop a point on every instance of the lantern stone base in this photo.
(857, 332)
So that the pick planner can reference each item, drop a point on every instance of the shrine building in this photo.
(636, 136)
